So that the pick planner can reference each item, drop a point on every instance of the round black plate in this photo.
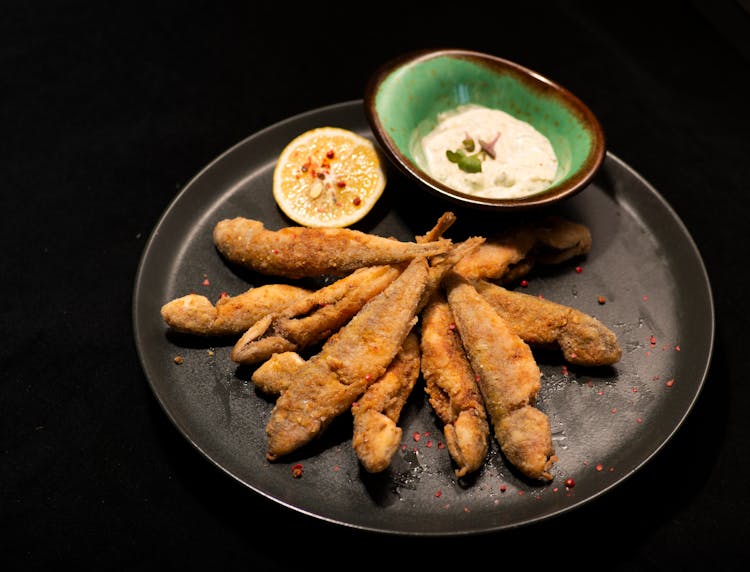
(606, 422)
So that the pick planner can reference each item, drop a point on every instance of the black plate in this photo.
(606, 422)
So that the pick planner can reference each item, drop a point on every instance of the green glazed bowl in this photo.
(404, 97)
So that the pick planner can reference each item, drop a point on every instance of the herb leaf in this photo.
(467, 163)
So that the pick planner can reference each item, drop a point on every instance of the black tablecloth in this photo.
(108, 110)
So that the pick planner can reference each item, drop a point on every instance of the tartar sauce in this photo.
(489, 153)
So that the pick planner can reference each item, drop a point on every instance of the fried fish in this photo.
(376, 434)
(583, 339)
(232, 315)
(298, 252)
(508, 255)
(451, 386)
(312, 318)
(508, 378)
(351, 360)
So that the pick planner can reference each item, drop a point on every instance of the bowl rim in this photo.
(573, 185)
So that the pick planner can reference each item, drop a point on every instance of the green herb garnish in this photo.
(467, 163)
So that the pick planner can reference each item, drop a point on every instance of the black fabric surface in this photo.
(106, 111)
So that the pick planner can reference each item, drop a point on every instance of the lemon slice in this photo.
(328, 177)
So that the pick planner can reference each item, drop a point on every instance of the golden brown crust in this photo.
(314, 317)
(232, 315)
(527, 441)
(451, 387)
(351, 360)
(275, 375)
(297, 252)
(376, 435)
(583, 339)
(508, 255)
(508, 378)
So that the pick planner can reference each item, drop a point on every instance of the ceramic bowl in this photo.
(405, 95)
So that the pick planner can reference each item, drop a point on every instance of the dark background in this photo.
(106, 111)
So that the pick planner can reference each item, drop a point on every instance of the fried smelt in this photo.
(376, 436)
(232, 315)
(510, 254)
(508, 378)
(314, 317)
(275, 374)
(583, 339)
(452, 388)
(349, 362)
(441, 264)
(298, 252)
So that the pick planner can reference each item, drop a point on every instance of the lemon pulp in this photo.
(328, 177)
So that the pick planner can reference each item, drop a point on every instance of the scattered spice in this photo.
(524, 283)
(178, 359)
(297, 470)
(579, 269)
(670, 382)
(601, 300)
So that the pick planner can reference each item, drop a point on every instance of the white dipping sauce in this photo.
(524, 162)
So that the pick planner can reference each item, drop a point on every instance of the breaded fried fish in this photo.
(508, 378)
(314, 317)
(298, 252)
(376, 414)
(275, 374)
(349, 362)
(508, 255)
(376, 434)
(583, 339)
(232, 315)
(452, 388)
